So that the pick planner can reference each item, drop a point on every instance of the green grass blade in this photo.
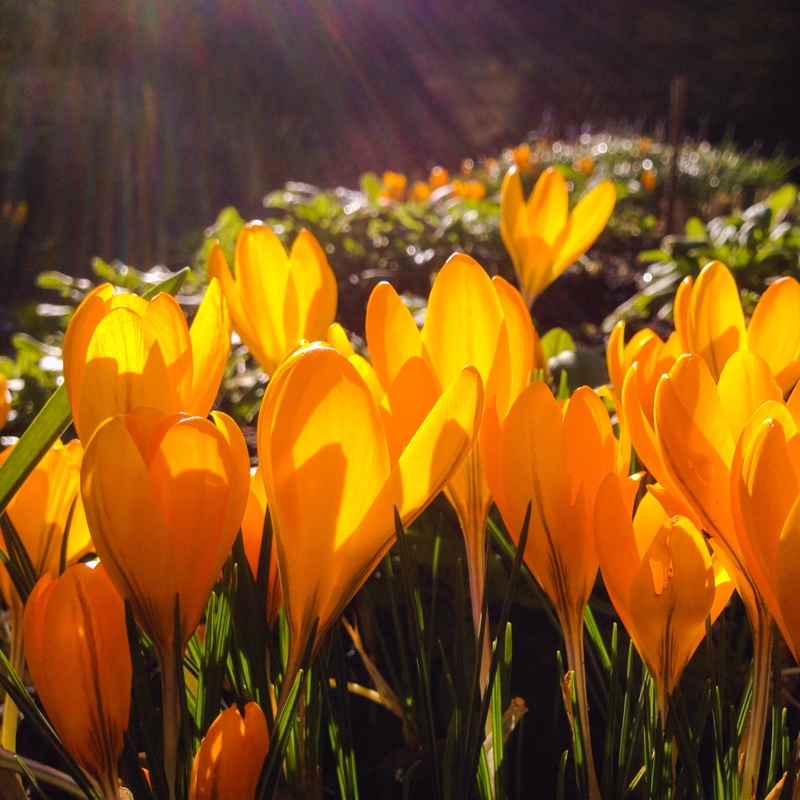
(171, 285)
(279, 739)
(417, 636)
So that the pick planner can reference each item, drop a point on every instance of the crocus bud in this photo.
(78, 656)
(229, 760)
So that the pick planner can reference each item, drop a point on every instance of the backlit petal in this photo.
(464, 321)
(121, 502)
(392, 334)
(211, 345)
(774, 333)
(717, 320)
(585, 224)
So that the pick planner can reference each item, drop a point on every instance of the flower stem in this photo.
(8, 738)
(573, 640)
(171, 717)
(759, 708)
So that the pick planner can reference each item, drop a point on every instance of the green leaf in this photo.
(271, 770)
(782, 198)
(171, 285)
(371, 185)
(556, 341)
(48, 425)
(695, 229)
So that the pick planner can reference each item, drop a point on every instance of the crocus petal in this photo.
(437, 449)
(671, 596)
(521, 342)
(773, 332)
(547, 207)
(764, 489)
(124, 368)
(409, 399)
(218, 269)
(76, 637)
(328, 459)
(745, 383)
(121, 502)
(786, 570)
(682, 312)
(392, 334)
(228, 762)
(585, 224)
(716, 325)
(616, 548)
(78, 336)
(338, 339)
(315, 291)
(590, 442)
(166, 325)
(697, 445)
(534, 469)
(512, 207)
(201, 532)
(262, 273)
(464, 321)
(211, 344)
(252, 534)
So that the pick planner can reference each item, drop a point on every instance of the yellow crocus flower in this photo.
(276, 300)
(662, 580)
(439, 177)
(46, 507)
(80, 664)
(697, 426)
(541, 237)
(555, 458)
(121, 351)
(470, 319)
(333, 482)
(766, 489)
(228, 762)
(165, 496)
(710, 322)
(394, 186)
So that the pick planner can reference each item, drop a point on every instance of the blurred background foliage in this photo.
(126, 126)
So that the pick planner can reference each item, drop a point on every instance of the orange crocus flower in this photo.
(710, 322)
(276, 300)
(471, 319)
(228, 763)
(555, 458)
(80, 664)
(541, 237)
(333, 481)
(45, 509)
(662, 580)
(165, 496)
(697, 424)
(121, 351)
(766, 488)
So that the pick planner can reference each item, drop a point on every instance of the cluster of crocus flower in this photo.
(349, 448)
(696, 409)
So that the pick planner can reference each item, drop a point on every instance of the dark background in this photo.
(127, 126)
